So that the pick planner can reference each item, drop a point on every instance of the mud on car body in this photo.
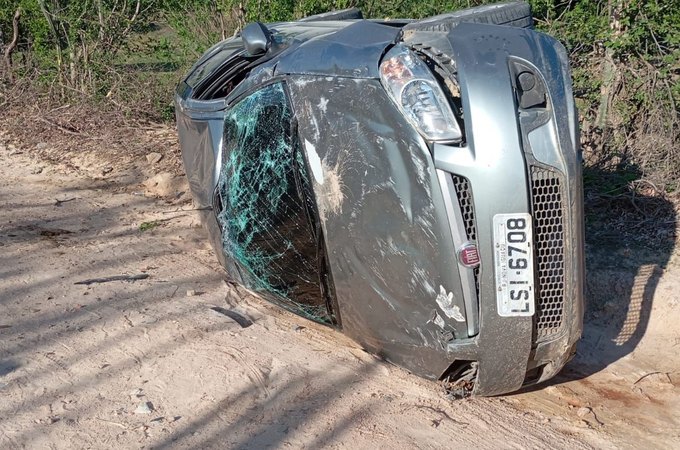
(415, 183)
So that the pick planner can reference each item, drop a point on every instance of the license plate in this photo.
(514, 264)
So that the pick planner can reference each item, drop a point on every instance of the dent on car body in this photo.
(382, 216)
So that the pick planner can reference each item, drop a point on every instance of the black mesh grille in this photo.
(466, 206)
(548, 209)
(464, 194)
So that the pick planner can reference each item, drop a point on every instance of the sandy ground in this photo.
(149, 364)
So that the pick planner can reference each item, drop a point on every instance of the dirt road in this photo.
(149, 364)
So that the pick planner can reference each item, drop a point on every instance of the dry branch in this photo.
(62, 129)
(141, 276)
(13, 44)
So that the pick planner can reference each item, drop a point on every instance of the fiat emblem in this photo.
(468, 255)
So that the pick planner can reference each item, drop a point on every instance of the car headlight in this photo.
(414, 89)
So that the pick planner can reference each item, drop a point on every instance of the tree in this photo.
(13, 43)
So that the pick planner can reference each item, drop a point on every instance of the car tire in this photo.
(514, 14)
(341, 14)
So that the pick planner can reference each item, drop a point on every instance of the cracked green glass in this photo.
(266, 220)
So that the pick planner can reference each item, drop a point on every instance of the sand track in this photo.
(142, 365)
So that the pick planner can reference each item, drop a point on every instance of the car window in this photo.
(208, 66)
(265, 207)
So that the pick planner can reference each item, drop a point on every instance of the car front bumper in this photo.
(517, 160)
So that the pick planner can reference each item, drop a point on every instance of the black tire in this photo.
(341, 14)
(513, 14)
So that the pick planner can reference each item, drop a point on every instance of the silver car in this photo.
(416, 184)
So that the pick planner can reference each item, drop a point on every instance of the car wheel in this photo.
(514, 14)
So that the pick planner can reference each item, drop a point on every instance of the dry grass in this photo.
(84, 130)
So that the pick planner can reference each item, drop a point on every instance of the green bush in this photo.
(625, 57)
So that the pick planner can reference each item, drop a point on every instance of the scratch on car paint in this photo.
(323, 102)
(445, 302)
(384, 295)
(426, 223)
(331, 193)
(308, 111)
(421, 169)
(393, 247)
(419, 278)
(356, 261)
(378, 274)
(437, 320)
(317, 132)
(302, 81)
(399, 171)
(332, 197)
(422, 336)
(388, 247)
(314, 161)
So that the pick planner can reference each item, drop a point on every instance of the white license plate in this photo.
(514, 264)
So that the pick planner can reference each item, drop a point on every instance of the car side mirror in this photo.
(256, 38)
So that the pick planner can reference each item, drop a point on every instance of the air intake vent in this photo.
(548, 212)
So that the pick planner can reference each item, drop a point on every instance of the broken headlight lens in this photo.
(414, 89)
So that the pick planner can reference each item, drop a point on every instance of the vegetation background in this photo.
(117, 62)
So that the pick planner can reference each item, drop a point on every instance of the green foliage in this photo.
(74, 43)
(147, 226)
(110, 50)
(625, 57)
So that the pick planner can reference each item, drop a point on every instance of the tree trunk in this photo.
(610, 72)
(13, 44)
(55, 33)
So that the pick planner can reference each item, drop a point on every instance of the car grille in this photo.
(548, 213)
(464, 194)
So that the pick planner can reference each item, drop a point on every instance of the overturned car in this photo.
(415, 183)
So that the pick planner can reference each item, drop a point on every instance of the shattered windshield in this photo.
(265, 213)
